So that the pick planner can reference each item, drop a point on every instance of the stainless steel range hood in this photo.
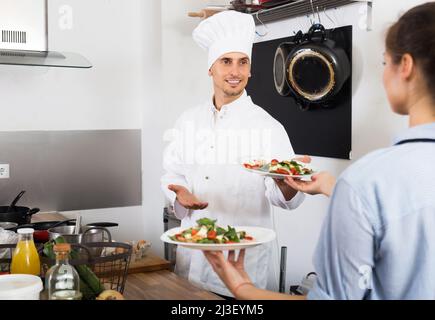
(24, 37)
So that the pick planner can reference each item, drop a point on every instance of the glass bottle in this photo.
(62, 280)
(25, 259)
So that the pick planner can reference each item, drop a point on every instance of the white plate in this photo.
(279, 176)
(260, 235)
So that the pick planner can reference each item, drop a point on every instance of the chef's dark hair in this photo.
(414, 33)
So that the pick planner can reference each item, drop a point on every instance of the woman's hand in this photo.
(322, 183)
(231, 271)
(287, 190)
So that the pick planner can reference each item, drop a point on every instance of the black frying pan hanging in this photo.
(279, 65)
(315, 68)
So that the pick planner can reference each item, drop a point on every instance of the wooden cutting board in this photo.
(48, 216)
(149, 263)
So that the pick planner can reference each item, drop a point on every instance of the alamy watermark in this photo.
(193, 145)
(66, 19)
(365, 281)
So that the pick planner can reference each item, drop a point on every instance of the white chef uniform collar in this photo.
(227, 31)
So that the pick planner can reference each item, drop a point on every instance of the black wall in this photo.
(320, 131)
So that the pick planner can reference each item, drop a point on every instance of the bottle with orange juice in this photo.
(25, 259)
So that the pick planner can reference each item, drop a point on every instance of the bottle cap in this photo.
(25, 231)
(62, 247)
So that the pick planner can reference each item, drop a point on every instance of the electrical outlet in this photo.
(4, 171)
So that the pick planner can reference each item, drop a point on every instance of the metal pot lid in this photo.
(311, 74)
(279, 74)
(8, 225)
(103, 224)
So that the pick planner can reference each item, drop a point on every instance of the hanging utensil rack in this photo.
(301, 8)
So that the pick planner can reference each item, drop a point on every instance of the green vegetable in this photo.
(88, 276)
(220, 231)
(294, 163)
(48, 250)
(87, 293)
(206, 222)
(205, 241)
(231, 234)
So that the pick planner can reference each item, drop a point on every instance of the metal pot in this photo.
(85, 235)
(11, 226)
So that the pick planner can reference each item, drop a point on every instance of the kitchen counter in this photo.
(160, 285)
(163, 285)
(150, 278)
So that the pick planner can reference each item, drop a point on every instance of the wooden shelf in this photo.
(300, 8)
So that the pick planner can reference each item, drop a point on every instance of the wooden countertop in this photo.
(150, 278)
(159, 285)
(163, 285)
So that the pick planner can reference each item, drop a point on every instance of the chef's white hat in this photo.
(227, 31)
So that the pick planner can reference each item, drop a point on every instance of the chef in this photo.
(204, 176)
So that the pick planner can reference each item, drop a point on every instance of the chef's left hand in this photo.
(287, 191)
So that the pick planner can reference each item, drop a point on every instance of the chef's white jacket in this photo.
(205, 154)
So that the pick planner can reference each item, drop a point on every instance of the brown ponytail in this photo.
(414, 34)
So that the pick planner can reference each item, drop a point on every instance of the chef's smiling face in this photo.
(230, 74)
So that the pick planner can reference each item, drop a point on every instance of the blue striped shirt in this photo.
(378, 238)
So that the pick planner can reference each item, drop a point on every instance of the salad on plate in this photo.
(285, 167)
(208, 232)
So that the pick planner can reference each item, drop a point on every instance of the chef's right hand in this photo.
(186, 198)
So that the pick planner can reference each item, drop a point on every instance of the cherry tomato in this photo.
(194, 231)
(281, 171)
(211, 235)
(274, 162)
(180, 238)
